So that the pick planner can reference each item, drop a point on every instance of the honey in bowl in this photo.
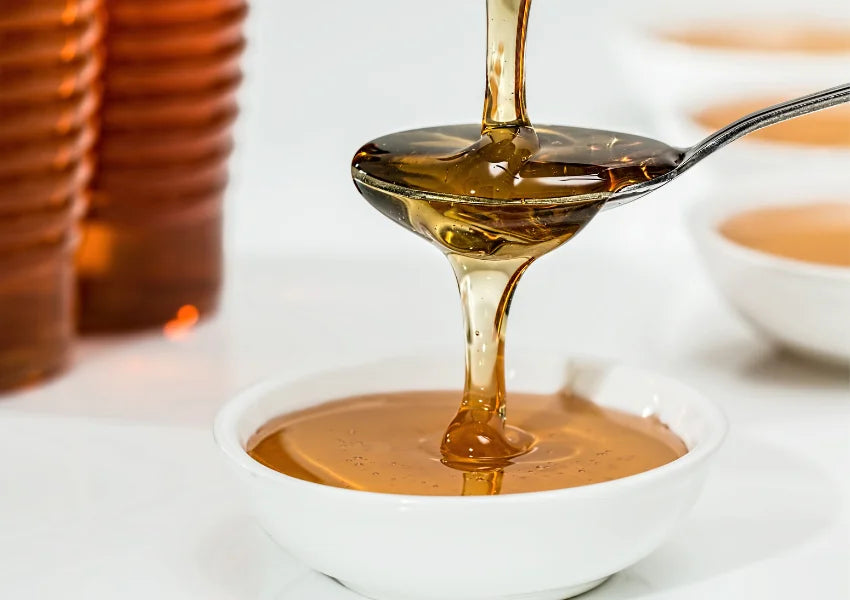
(826, 128)
(390, 443)
(816, 233)
(811, 38)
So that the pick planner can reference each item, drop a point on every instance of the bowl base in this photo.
(556, 594)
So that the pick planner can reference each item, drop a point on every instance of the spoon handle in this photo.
(763, 118)
(730, 133)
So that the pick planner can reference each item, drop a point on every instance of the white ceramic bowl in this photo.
(668, 75)
(534, 546)
(802, 306)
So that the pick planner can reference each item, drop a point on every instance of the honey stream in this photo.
(493, 197)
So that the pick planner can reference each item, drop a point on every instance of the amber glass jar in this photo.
(49, 65)
(152, 239)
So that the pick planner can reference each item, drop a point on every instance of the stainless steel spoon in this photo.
(733, 131)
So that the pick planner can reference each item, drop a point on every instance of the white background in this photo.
(110, 485)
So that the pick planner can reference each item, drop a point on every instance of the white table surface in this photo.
(111, 487)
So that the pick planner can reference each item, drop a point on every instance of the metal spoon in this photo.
(733, 131)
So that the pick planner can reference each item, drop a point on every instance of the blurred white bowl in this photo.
(802, 306)
(668, 75)
(534, 546)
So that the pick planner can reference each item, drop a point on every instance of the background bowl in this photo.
(668, 74)
(802, 306)
(560, 543)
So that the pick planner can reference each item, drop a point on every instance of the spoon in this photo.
(730, 133)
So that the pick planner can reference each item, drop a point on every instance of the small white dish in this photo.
(802, 306)
(534, 546)
(668, 74)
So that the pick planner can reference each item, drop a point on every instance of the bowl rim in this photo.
(226, 437)
(703, 220)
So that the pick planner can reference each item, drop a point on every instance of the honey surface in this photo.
(391, 443)
(817, 233)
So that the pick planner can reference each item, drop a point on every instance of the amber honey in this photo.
(391, 443)
(493, 198)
